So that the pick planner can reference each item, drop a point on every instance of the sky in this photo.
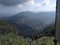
(17, 6)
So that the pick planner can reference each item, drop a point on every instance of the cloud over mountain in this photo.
(16, 6)
(12, 2)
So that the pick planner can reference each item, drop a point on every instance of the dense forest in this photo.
(9, 35)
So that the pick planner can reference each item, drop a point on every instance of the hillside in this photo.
(6, 28)
(27, 28)
(30, 23)
(9, 35)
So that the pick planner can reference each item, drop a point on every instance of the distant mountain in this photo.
(30, 23)
(5, 15)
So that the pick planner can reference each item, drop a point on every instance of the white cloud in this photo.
(47, 2)
(46, 5)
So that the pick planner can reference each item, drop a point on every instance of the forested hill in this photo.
(47, 32)
(27, 28)
(9, 35)
(30, 23)
(6, 28)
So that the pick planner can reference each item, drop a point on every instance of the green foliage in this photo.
(10, 39)
(45, 41)
(9, 35)
(49, 31)
(6, 28)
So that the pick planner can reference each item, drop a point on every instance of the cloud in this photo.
(29, 6)
(47, 2)
(9, 10)
(12, 2)
(45, 5)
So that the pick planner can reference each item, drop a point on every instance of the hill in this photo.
(30, 23)
(9, 35)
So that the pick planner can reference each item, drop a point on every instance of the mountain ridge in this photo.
(32, 22)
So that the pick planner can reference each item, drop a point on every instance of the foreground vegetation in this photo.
(9, 35)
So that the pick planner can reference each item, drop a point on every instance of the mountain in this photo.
(30, 23)
(9, 36)
(5, 15)
(6, 28)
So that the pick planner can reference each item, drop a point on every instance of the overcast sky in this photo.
(16, 6)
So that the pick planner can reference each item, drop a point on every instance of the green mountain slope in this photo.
(6, 28)
(30, 23)
(9, 35)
